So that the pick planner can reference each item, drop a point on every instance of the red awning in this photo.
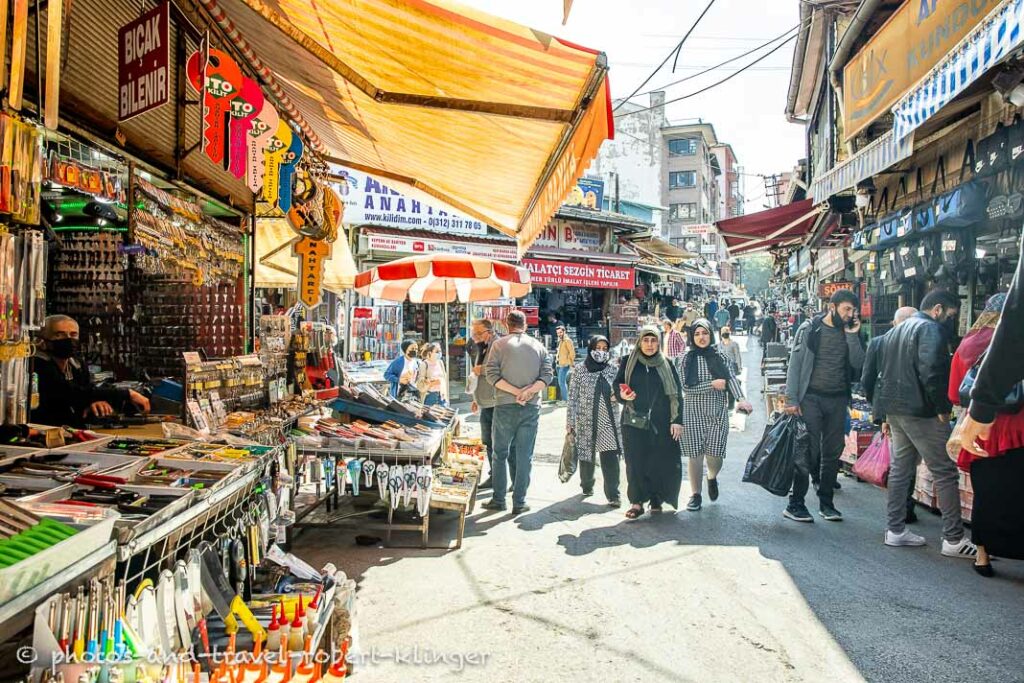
(781, 226)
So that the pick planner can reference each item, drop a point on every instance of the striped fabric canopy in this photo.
(444, 278)
(985, 46)
(492, 118)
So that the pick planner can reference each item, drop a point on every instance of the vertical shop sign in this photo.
(143, 63)
(312, 254)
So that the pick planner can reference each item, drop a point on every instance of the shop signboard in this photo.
(827, 289)
(699, 229)
(709, 249)
(368, 201)
(574, 236)
(914, 39)
(312, 254)
(143, 63)
(574, 274)
(402, 244)
(830, 262)
(804, 260)
(587, 194)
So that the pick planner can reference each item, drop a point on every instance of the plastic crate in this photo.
(33, 571)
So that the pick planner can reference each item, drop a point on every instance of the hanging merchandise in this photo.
(219, 80)
(963, 205)
(273, 157)
(181, 242)
(70, 174)
(993, 153)
(264, 126)
(316, 209)
(19, 41)
(22, 297)
(54, 24)
(21, 170)
(244, 110)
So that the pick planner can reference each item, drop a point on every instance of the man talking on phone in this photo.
(827, 358)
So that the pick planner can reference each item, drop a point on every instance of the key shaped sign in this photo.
(223, 83)
(264, 126)
(244, 110)
(287, 171)
(312, 254)
(273, 157)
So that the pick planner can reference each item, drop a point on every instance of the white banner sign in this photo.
(411, 245)
(571, 236)
(369, 201)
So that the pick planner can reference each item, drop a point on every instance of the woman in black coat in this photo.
(648, 386)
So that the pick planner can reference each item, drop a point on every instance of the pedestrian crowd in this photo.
(667, 400)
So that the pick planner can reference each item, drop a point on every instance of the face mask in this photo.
(725, 335)
(63, 348)
(600, 356)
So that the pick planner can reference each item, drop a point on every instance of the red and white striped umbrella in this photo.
(444, 278)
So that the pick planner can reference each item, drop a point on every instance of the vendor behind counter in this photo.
(66, 393)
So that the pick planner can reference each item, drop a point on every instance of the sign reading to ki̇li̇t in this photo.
(143, 63)
(312, 254)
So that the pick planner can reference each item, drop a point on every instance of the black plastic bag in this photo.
(773, 461)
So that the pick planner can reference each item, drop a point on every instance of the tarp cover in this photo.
(493, 118)
(276, 266)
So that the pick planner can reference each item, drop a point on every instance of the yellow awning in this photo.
(277, 267)
(493, 118)
(659, 248)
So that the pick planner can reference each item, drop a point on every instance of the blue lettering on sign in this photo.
(400, 205)
(385, 203)
(926, 9)
(369, 202)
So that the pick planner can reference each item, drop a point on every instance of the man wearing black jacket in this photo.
(826, 359)
(1002, 368)
(912, 394)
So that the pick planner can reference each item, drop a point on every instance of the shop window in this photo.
(685, 212)
(677, 179)
(682, 147)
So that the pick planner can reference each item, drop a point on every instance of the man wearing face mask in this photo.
(912, 393)
(66, 394)
(826, 359)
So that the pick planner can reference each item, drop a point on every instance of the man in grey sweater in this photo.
(519, 368)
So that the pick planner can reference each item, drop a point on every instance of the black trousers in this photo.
(609, 474)
(826, 422)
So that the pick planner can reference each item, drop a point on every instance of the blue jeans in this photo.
(563, 382)
(433, 398)
(514, 435)
(486, 435)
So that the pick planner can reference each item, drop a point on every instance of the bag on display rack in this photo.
(773, 462)
(993, 153)
(964, 204)
(873, 465)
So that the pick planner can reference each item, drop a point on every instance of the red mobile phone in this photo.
(624, 388)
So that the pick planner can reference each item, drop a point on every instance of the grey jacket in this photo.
(486, 396)
(520, 360)
(805, 349)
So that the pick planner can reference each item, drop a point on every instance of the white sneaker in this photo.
(907, 538)
(964, 549)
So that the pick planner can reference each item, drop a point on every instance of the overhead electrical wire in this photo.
(674, 52)
(721, 64)
(715, 84)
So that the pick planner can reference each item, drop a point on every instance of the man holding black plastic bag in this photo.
(827, 356)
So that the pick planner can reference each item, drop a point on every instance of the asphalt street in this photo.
(572, 590)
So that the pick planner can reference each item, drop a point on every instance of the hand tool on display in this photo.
(4, 11)
(54, 24)
(226, 602)
(19, 41)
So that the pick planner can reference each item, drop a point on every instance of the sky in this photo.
(747, 111)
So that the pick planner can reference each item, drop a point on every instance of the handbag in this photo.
(567, 464)
(993, 153)
(630, 418)
(1013, 401)
(873, 465)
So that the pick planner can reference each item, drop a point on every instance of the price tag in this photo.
(264, 126)
(191, 357)
(921, 251)
(948, 245)
(910, 272)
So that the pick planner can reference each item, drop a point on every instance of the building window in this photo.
(686, 212)
(682, 147)
(678, 179)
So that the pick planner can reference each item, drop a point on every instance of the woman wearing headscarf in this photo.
(648, 386)
(997, 517)
(708, 382)
(593, 419)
